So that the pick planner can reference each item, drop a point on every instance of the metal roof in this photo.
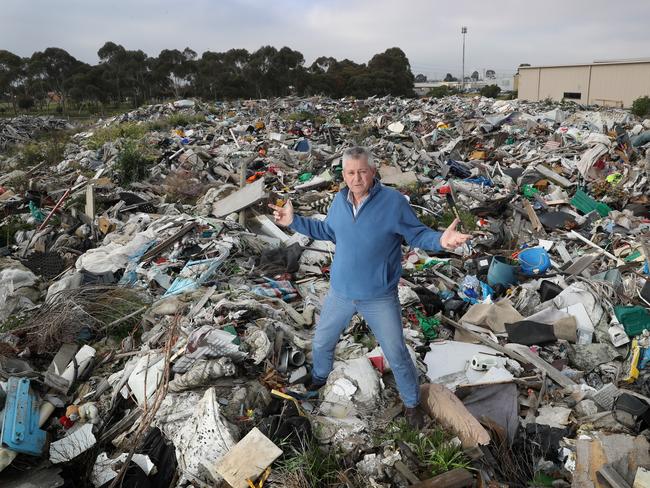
(595, 63)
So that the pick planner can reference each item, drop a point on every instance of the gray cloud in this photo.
(502, 33)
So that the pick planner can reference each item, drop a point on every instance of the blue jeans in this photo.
(384, 317)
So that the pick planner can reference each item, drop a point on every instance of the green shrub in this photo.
(182, 120)
(9, 228)
(129, 130)
(490, 91)
(132, 163)
(25, 103)
(31, 154)
(305, 116)
(641, 106)
(49, 148)
(442, 91)
(350, 117)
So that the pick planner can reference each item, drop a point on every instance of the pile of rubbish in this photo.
(23, 128)
(156, 324)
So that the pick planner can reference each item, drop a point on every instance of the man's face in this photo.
(358, 175)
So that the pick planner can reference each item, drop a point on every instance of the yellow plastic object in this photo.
(284, 396)
(634, 366)
(264, 477)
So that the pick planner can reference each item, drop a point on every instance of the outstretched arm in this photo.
(314, 228)
(419, 235)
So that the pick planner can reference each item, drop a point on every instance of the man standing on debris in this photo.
(368, 221)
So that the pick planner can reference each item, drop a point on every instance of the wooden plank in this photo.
(619, 262)
(243, 168)
(158, 248)
(539, 363)
(90, 201)
(456, 478)
(532, 216)
(248, 459)
(498, 347)
(549, 174)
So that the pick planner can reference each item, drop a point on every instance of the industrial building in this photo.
(608, 83)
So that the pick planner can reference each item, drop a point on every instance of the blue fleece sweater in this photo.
(368, 260)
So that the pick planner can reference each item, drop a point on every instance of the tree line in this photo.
(131, 76)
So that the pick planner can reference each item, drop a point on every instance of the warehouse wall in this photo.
(528, 80)
(622, 83)
(607, 84)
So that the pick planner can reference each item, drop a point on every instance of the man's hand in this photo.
(451, 238)
(283, 215)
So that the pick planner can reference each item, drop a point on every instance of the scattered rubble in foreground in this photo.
(156, 323)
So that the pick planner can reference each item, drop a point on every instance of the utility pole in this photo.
(463, 31)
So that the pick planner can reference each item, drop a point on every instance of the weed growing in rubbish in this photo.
(48, 147)
(305, 116)
(445, 458)
(468, 219)
(350, 117)
(101, 309)
(12, 322)
(128, 130)
(432, 447)
(132, 163)
(182, 120)
(308, 466)
(9, 228)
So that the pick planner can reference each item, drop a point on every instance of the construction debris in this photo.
(156, 324)
(22, 129)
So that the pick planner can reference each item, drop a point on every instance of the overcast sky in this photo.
(501, 33)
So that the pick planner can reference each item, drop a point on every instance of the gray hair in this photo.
(358, 152)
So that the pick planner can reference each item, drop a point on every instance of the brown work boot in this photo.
(312, 385)
(415, 417)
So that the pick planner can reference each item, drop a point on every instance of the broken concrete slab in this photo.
(249, 195)
(392, 175)
(623, 451)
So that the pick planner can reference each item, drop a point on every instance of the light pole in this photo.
(463, 31)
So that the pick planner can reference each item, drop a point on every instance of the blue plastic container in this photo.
(501, 273)
(534, 261)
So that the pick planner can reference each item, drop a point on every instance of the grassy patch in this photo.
(350, 117)
(183, 120)
(308, 467)
(48, 147)
(13, 322)
(361, 133)
(128, 130)
(467, 218)
(183, 188)
(432, 447)
(135, 131)
(84, 314)
(30, 155)
(305, 116)
(174, 121)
